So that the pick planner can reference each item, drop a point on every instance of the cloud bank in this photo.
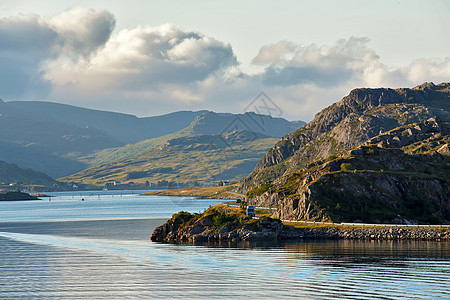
(76, 57)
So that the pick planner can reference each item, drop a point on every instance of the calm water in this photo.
(99, 248)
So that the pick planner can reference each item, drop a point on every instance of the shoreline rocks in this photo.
(388, 233)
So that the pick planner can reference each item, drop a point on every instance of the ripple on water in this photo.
(70, 266)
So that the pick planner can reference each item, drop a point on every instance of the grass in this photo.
(206, 160)
(218, 217)
(216, 192)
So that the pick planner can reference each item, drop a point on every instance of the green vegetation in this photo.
(346, 167)
(219, 217)
(216, 192)
(259, 190)
(331, 157)
(184, 160)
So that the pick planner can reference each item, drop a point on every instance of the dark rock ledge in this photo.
(17, 196)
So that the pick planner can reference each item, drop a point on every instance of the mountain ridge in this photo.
(387, 161)
(350, 122)
(60, 139)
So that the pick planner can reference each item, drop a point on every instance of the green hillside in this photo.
(206, 123)
(227, 156)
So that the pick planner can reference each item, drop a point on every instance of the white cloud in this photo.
(311, 64)
(146, 58)
(83, 30)
(277, 52)
(75, 57)
(422, 70)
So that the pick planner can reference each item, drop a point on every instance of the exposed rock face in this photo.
(379, 155)
(371, 198)
(370, 184)
(361, 115)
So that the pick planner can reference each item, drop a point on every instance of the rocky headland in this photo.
(376, 156)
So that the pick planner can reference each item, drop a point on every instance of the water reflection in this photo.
(100, 266)
(343, 248)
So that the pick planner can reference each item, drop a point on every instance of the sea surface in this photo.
(96, 246)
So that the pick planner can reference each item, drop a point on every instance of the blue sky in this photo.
(153, 57)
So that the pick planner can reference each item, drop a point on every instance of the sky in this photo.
(153, 57)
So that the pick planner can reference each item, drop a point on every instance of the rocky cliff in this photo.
(379, 155)
(363, 114)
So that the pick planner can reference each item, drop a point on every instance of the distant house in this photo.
(117, 183)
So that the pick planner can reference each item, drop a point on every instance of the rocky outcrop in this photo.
(216, 225)
(371, 198)
(378, 155)
(358, 117)
(399, 176)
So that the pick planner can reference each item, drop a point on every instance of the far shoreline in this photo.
(215, 192)
(17, 196)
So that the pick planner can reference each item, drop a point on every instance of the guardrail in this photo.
(256, 207)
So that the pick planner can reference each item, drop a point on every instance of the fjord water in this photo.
(97, 246)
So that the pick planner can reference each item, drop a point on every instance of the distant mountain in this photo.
(60, 139)
(216, 123)
(12, 174)
(207, 123)
(125, 128)
(46, 145)
(24, 156)
(201, 158)
(378, 155)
